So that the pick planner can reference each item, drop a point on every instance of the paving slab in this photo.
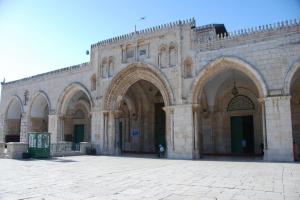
(105, 177)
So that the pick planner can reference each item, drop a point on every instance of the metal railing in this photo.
(64, 148)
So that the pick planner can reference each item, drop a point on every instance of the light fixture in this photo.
(234, 90)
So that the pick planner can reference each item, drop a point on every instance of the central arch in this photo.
(137, 95)
(130, 75)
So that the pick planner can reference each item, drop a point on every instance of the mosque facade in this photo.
(196, 90)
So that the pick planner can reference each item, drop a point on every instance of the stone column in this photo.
(24, 127)
(105, 132)
(278, 129)
(111, 133)
(196, 136)
(2, 128)
(169, 130)
(55, 128)
(117, 115)
(183, 132)
(96, 131)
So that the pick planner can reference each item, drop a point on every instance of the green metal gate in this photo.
(39, 145)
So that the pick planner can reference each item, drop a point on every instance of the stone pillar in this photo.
(196, 136)
(117, 116)
(105, 132)
(169, 130)
(111, 134)
(183, 132)
(2, 149)
(97, 130)
(278, 129)
(55, 127)
(2, 128)
(24, 127)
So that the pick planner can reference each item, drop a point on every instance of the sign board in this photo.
(135, 132)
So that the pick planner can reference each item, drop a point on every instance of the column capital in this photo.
(168, 109)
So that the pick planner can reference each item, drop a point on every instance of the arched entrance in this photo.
(141, 121)
(13, 120)
(134, 120)
(39, 111)
(292, 87)
(230, 118)
(75, 107)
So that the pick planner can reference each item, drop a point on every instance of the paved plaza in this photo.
(103, 177)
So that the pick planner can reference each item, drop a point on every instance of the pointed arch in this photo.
(290, 76)
(18, 100)
(68, 93)
(130, 75)
(221, 64)
(36, 95)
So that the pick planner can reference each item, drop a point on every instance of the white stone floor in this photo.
(103, 177)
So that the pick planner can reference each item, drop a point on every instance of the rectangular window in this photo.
(142, 52)
(130, 53)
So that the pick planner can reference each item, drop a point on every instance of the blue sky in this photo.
(37, 36)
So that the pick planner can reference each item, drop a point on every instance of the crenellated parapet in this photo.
(189, 22)
(241, 36)
(73, 68)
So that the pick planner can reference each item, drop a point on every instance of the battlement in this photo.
(239, 36)
(190, 22)
(54, 72)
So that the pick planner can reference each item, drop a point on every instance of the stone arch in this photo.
(130, 75)
(291, 87)
(39, 109)
(19, 101)
(289, 77)
(75, 96)
(44, 95)
(12, 121)
(221, 64)
(68, 93)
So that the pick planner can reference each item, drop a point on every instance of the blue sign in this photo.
(135, 132)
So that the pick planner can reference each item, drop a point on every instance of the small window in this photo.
(130, 53)
(142, 52)
(93, 82)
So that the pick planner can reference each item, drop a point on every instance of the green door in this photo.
(78, 133)
(248, 134)
(236, 134)
(242, 132)
(160, 126)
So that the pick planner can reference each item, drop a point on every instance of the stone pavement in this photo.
(103, 177)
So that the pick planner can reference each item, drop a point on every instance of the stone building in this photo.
(194, 89)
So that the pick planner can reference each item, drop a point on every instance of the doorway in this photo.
(78, 133)
(160, 126)
(242, 135)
